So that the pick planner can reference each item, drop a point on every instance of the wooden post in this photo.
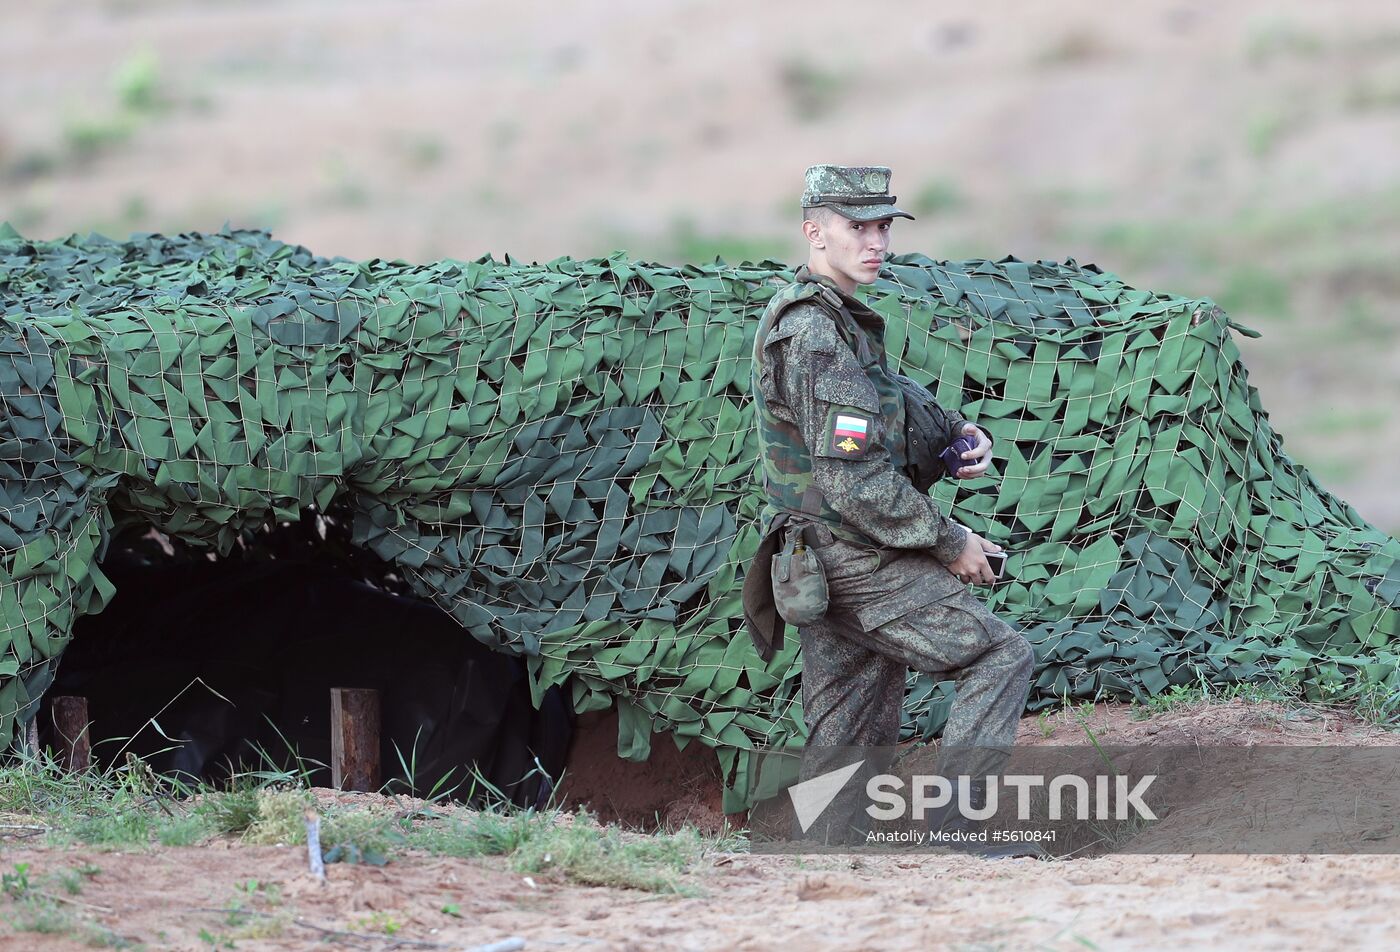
(355, 739)
(70, 721)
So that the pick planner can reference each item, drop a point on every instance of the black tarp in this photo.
(268, 640)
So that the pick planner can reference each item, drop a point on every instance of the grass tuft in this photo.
(812, 92)
(281, 816)
(573, 847)
(1180, 697)
(937, 197)
(230, 811)
(606, 856)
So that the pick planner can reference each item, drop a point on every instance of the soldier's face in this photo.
(856, 249)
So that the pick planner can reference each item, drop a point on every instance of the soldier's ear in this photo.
(812, 229)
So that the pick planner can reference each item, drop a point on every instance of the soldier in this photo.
(831, 423)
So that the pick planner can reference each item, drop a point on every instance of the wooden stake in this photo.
(513, 944)
(70, 721)
(313, 844)
(355, 739)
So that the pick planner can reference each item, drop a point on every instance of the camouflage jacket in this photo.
(831, 423)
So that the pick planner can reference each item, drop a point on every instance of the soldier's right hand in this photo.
(971, 565)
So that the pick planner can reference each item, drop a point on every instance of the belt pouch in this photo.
(799, 581)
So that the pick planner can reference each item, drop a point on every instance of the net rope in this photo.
(562, 457)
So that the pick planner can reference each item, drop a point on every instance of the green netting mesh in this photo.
(561, 456)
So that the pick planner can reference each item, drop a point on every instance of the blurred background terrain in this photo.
(1248, 152)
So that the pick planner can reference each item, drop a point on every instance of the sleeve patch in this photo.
(848, 434)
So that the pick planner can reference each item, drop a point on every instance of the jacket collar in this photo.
(858, 308)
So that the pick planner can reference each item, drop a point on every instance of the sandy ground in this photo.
(167, 897)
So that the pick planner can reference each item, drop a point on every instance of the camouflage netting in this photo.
(561, 456)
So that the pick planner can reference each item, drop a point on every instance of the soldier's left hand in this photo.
(979, 457)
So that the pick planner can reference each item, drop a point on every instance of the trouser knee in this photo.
(1023, 656)
(1012, 652)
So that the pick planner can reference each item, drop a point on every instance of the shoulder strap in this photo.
(793, 294)
(832, 303)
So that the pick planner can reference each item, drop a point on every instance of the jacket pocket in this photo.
(845, 560)
(927, 589)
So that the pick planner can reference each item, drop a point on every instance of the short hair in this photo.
(821, 214)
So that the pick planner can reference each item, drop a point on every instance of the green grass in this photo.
(685, 243)
(1322, 258)
(136, 89)
(1378, 704)
(131, 808)
(1136, 243)
(608, 857)
(1252, 289)
(1178, 698)
(72, 880)
(1264, 131)
(1332, 421)
(87, 136)
(232, 810)
(1373, 95)
(425, 152)
(489, 833)
(812, 92)
(1186, 696)
(1274, 38)
(105, 808)
(137, 82)
(937, 197)
(573, 847)
(1364, 320)
(37, 904)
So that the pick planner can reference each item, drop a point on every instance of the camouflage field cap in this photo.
(859, 192)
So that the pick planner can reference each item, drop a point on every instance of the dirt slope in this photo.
(167, 898)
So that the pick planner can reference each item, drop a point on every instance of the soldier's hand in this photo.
(971, 566)
(979, 457)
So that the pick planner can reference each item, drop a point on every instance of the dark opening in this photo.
(205, 668)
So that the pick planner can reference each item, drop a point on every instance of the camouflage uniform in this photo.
(831, 428)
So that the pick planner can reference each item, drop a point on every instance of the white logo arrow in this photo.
(811, 797)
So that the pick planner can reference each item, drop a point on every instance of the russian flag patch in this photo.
(850, 434)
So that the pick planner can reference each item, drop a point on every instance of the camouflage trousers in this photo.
(910, 613)
(888, 614)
